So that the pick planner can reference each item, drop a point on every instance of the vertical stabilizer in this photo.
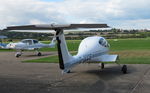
(52, 43)
(64, 55)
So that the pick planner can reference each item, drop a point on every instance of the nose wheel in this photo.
(102, 65)
(39, 54)
(68, 71)
(18, 54)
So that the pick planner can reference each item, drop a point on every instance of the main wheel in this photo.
(18, 55)
(68, 71)
(102, 65)
(39, 54)
(124, 69)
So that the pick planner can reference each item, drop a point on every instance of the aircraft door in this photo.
(29, 42)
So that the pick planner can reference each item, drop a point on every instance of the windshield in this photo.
(103, 42)
(35, 41)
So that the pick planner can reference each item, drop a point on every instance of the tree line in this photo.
(111, 33)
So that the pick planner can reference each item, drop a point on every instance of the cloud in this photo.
(19, 12)
(117, 13)
(133, 24)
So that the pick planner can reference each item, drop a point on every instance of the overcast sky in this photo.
(126, 14)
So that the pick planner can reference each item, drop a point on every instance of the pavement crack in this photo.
(56, 83)
(140, 80)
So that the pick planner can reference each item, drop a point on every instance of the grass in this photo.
(135, 60)
(72, 46)
(133, 56)
(6, 50)
(130, 44)
(50, 59)
(119, 45)
(125, 57)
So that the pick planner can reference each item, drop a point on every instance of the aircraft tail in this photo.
(64, 56)
(53, 42)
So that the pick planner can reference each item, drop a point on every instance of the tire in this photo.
(39, 54)
(102, 65)
(124, 69)
(68, 71)
(17, 55)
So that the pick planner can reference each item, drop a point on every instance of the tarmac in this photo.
(19, 77)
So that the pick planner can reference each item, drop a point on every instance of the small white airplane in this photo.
(91, 49)
(28, 44)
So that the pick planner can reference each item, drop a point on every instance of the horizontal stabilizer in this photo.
(108, 58)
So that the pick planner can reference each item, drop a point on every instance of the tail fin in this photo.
(64, 55)
(53, 42)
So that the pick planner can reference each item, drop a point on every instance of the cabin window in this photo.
(27, 42)
(103, 42)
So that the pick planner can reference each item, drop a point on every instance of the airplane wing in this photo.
(38, 47)
(55, 27)
(34, 47)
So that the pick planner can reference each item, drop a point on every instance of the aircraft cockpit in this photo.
(103, 42)
(35, 41)
(29, 41)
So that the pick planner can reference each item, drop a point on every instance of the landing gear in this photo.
(18, 54)
(102, 65)
(124, 69)
(39, 54)
(68, 71)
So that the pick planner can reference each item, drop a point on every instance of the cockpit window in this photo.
(103, 42)
(35, 41)
(27, 42)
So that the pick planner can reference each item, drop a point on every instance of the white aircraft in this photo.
(91, 49)
(28, 44)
